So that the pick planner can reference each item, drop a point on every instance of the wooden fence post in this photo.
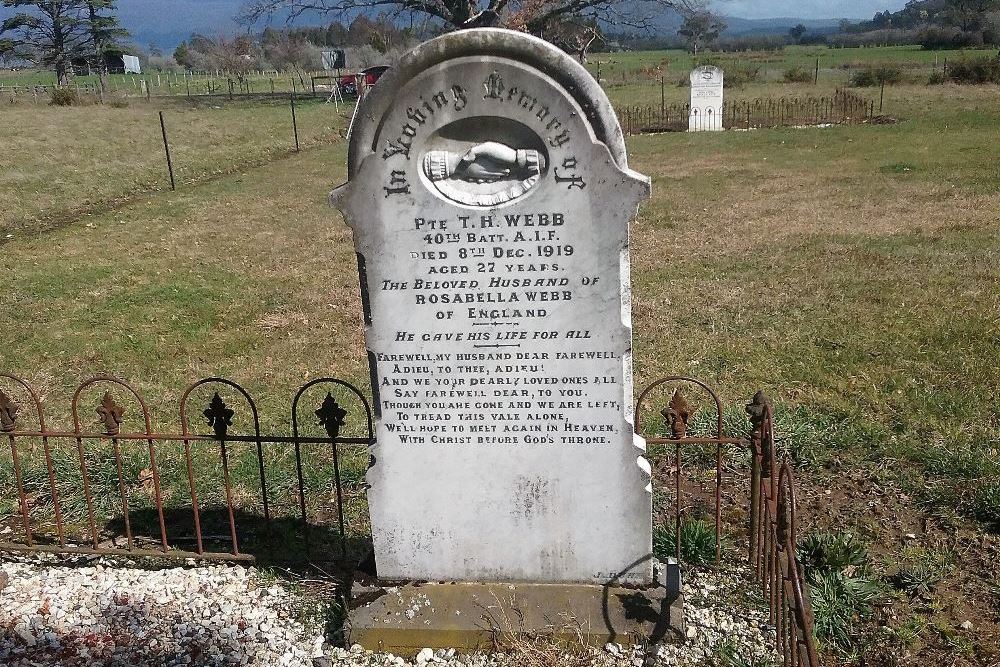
(295, 124)
(166, 149)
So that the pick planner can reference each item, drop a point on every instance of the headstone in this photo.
(132, 64)
(490, 200)
(706, 99)
(333, 59)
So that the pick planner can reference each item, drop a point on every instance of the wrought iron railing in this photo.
(88, 466)
(771, 527)
(284, 520)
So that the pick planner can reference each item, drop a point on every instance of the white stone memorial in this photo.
(490, 199)
(706, 99)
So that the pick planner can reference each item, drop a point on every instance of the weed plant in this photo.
(798, 75)
(841, 589)
(697, 542)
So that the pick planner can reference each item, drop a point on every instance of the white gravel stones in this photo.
(230, 615)
(725, 616)
(97, 615)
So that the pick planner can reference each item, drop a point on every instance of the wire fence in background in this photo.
(258, 83)
(843, 107)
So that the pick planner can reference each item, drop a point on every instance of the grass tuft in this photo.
(839, 602)
(842, 592)
(919, 571)
(986, 502)
(697, 542)
(827, 552)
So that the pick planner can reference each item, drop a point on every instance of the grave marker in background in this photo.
(490, 200)
(706, 99)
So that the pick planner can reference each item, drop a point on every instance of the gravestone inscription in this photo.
(490, 198)
(706, 99)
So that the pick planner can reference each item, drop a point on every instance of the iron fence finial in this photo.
(677, 414)
(112, 415)
(219, 416)
(331, 415)
(758, 407)
(8, 412)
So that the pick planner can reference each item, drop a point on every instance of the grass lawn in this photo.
(851, 272)
(61, 162)
(170, 83)
(835, 64)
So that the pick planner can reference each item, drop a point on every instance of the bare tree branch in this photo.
(530, 15)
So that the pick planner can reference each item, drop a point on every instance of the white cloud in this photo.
(806, 9)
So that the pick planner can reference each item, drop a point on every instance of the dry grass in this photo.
(851, 272)
(58, 163)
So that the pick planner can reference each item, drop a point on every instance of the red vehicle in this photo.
(348, 82)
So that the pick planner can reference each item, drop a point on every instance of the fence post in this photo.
(663, 99)
(816, 77)
(881, 95)
(166, 149)
(295, 123)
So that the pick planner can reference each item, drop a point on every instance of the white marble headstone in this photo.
(490, 201)
(706, 99)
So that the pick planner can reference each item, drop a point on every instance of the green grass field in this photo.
(850, 271)
(59, 163)
(171, 83)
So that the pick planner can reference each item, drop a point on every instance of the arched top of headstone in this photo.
(486, 43)
(706, 75)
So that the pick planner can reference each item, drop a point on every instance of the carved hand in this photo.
(488, 160)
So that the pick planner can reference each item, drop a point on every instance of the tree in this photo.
(970, 15)
(797, 32)
(700, 25)
(182, 56)
(533, 16)
(103, 31)
(286, 51)
(51, 32)
(575, 35)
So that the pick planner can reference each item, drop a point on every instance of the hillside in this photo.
(164, 25)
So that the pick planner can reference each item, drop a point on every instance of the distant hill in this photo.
(166, 23)
(779, 26)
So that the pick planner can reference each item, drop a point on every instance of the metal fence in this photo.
(771, 523)
(100, 490)
(843, 107)
(221, 85)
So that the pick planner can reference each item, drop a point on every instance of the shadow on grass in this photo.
(282, 541)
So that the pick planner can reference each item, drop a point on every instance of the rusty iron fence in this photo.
(234, 492)
(226, 475)
(771, 524)
(843, 107)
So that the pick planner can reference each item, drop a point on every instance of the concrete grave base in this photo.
(406, 618)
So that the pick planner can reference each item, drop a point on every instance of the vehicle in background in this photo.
(348, 82)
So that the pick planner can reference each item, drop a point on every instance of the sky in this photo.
(171, 15)
(806, 9)
(166, 22)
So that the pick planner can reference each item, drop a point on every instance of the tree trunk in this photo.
(62, 70)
